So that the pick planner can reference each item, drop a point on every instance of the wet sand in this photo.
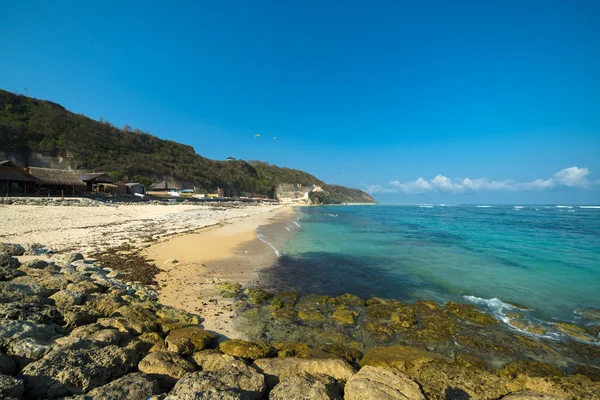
(230, 251)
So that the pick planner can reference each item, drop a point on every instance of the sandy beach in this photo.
(230, 251)
(94, 229)
(210, 243)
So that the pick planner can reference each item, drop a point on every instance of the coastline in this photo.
(228, 252)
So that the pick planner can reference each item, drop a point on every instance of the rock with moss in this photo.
(372, 383)
(346, 352)
(189, 340)
(345, 317)
(347, 300)
(575, 331)
(381, 330)
(306, 386)
(171, 318)
(259, 296)
(470, 313)
(527, 327)
(530, 368)
(382, 308)
(285, 299)
(212, 360)
(12, 249)
(287, 314)
(402, 358)
(229, 289)
(404, 318)
(276, 369)
(289, 349)
(494, 344)
(435, 325)
(11, 388)
(245, 349)
(167, 367)
(311, 316)
(529, 395)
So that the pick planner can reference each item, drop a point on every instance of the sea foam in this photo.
(263, 239)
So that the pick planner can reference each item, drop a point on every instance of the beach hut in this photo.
(164, 186)
(135, 187)
(16, 180)
(57, 181)
(98, 182)
(230, 159)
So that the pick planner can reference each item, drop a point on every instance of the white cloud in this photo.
(572, 177)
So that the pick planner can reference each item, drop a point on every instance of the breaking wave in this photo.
(263, 239)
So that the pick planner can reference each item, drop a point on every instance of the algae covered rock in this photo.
(311, 316)
(170, 318)
(12, 249)
(10, 387)
(276, 369)
(347, 300)
(135, 386)
(529, 368)
(399, 357)
(189, 340)
(239, 382)
(165, 366)
(229, 289)
(285, 299)
(9, 273)
(529, 395)
(345, 317)
(306, 386)
(245, 349)
(382, 308)
(35, 264)
(404, 318)
(259, 296)
(348, 353)
(470, 313)
(211, 360)
(527, 327)
(6, 260)
(289, 349)
(372, 383)
(575, 331)
(65, 372)
(136, 319)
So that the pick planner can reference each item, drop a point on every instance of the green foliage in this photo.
(143, 180)
(30, 125)
(117, 175)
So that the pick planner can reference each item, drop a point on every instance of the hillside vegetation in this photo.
(29, 125)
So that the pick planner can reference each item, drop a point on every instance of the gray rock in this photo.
(35, 264)
(36, 249)
(66, 299)
(10, 388)
(7, 261)
(12, 249)
(64, 372)
(15, 291)
(372, 383)
(27, 341)
(68, 258)
(7, 365)
(300, 387)
(242, 382)
(31, 311)
(85, 287)
(136, 386)
(166, 366)
(8, 273)
(276, 369)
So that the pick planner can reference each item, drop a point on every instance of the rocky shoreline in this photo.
(71, 328)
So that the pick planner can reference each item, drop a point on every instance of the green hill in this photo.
(29, 126)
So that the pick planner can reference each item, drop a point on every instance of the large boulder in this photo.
(399, 357)
(7, 365)
(64, 372)
(166, 366)
(212, 360)
(35, 264)
(10, 388)
(189, 340)
(68, 258)
(276, 369)
(171, 318)
(27, 341)
(12, 249)
(66, 299)
(6, 260)
(245, 349)
(372, 383)
(8, 273)
(470, 313)
(135, 386)
(305, 386)
(15, 291)
(240, 382)
(31, 310)
(133, 319)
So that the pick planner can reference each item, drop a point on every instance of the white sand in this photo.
(90, 229)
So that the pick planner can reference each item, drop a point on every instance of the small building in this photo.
(99, 182)
(212, 195)
(16, 180)
(230, 159)
(135, 187)
(164, 186)
(57, 181)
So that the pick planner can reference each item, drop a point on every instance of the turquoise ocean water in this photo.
(546, 258)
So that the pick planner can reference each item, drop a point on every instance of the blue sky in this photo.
(366, 94)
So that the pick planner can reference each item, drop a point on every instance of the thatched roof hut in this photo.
(56, 177)
(16, 180)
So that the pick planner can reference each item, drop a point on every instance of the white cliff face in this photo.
(295, 192)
